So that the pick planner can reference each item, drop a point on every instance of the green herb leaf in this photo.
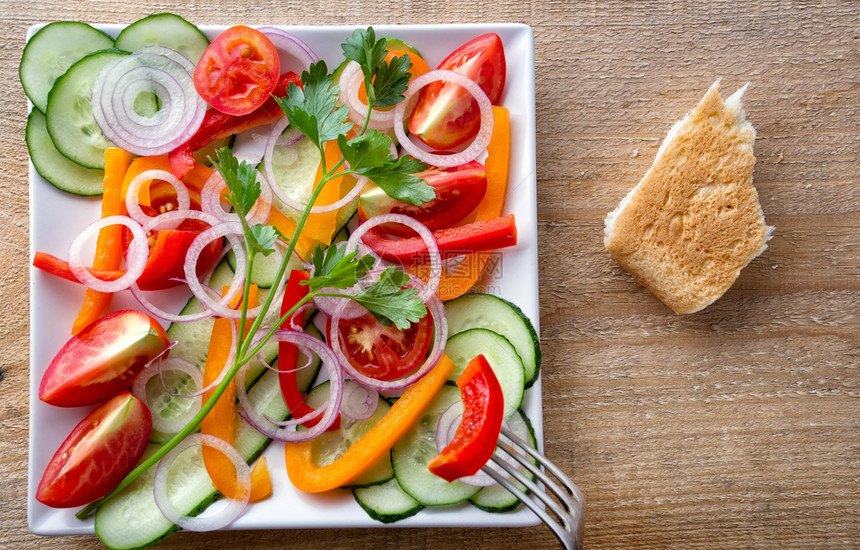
(241, 180)
(392, 80)
(363, 48)
(265, 237)
(311, 109)
(389, 302)
(396, 177)
(334, 268)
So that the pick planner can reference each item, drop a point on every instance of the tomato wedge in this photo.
(458, 191)
(238, 71)
(102, 359)
(446, 115)
(381, 352)
(97, 455)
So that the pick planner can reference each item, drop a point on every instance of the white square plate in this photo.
(56, 217)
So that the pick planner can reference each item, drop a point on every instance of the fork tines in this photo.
(559, 496)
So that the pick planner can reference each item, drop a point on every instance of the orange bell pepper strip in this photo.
(461, 278)
(221, 420)
(321, 227)
(304, 245)
(109, 243)
(310, 478)
(193, 180)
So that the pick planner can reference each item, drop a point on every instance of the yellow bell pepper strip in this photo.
(261, 481)
(109, 243)
(221, 420)
(463, 276)
(310, 478)
(483, 412)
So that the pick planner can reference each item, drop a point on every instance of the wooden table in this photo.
(738, 426)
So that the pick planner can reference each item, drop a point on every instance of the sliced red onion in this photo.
(440, 336)
(162, 72)
(359, 401)
(351, 80)
(228, 514)
(335, 374)
(173, 218)
(293, 46)
(432, 248)
(157, 368)
(474, 150)
(268, 161)
(213, 190)
(231, 230)
(132, 197)
(138, 252)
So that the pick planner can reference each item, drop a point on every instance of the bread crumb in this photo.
(774, 266)
(635, 153)
(808, 185)
(779, 158)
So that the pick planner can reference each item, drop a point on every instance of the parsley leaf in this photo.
(334, 268)
(396, 177)
(389, 302)
(265, 237)
(311, 109)
(392, 80)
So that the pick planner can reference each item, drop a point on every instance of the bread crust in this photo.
(694, 221)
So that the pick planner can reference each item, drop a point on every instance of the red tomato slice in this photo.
(385, 353)
(102, 359)
(458, 191)
(97, 455)
(238, 71)
(446, 115)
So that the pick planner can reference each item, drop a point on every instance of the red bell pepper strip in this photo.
(477, 236)
(217, 125)
(288, 353)
(60, 268)
(483, 411)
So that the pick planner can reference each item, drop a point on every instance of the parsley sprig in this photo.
(313, 110)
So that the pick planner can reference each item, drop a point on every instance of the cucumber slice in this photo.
(70, 115)
(386, 502)
(496, 498)
(51, 51)
(164, 29)
(331, 445)
(410, 456)
(266, 267)
(499, 315)
(54, 167)
(507, 366)
(132, 520)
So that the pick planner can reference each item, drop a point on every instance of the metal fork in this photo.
(561, 496)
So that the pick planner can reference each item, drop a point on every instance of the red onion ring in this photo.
(329, 361)
(432, 248)
(359, 401)
(268, 162)
(293, 46)
(351, 79)
(157, 368)
(163, 72)
(138, 252)
(132, 197)
(173, 218)
(210, 200)
(233, 509)
(478, 145)
(440, 336)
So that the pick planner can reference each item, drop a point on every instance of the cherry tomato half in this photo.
(238, 71)
(100, 451)
(458, 192)
(446, 115)
(385, 353)
(102, 359)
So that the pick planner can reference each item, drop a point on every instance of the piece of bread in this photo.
(694, 221)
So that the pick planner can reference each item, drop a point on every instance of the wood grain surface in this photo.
(736, 427)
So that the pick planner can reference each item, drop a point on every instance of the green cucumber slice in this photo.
(501, 316)
(54, 167)
(265, 268)
(499, 352)
(410, 456)
(496, 498)
(386, 502)
(70, 115)
(164, 29)
(331, 445)
(51, 51)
